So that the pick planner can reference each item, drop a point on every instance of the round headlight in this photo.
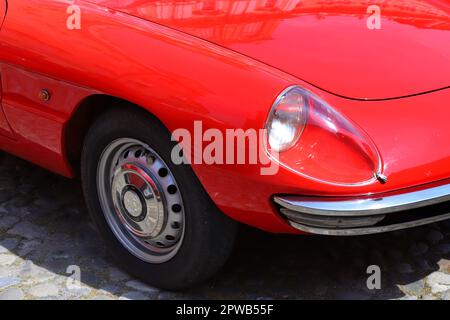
(287, 119)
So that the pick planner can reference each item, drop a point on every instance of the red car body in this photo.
(225, 63)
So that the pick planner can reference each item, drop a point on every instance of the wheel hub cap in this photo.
(137, 200)
(141, 200)
(132, 204)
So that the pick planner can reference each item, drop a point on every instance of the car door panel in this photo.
(36, 122)
(37, 125)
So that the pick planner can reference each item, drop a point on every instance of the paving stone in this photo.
(167, 295)
(8, 221)
(78, 290)
(27, 230)
(8, 282)
(444, 265)
(59, 237)
(9, 271)
(408, 297)
(110, 289)
(26, 267)
(44, 290)
(91, 278)
(28, 246)
(7, 259)
(133, 295)
(446, 295)
(439, 282)
(20, 201)
(140, 286)
(12, 294)
(8, 244)
(102, 297)
(414, 288)
(117, 274)
(47, 203)
(429, 297)
(42, 277)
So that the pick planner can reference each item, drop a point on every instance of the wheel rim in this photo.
(141, 200)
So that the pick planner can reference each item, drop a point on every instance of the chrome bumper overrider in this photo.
(347, 216)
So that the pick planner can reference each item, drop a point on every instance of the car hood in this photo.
(326, 43)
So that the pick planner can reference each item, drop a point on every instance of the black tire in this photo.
(208, 236)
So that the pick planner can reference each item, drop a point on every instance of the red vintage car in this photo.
(156, 106)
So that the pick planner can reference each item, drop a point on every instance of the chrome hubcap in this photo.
(132, 204)
(141, 200)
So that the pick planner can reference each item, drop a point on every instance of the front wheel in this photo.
(154, 216)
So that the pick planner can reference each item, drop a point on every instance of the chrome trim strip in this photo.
(332, 221)
(369, 230)
(365, 206)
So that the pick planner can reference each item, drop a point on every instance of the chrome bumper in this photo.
(365, 215)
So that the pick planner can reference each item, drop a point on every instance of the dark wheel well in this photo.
(83, 118)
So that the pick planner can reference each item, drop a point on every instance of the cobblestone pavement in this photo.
(44, 229)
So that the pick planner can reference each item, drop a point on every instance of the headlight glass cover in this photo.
(312, 139)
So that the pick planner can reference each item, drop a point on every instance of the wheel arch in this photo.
(82, 118)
